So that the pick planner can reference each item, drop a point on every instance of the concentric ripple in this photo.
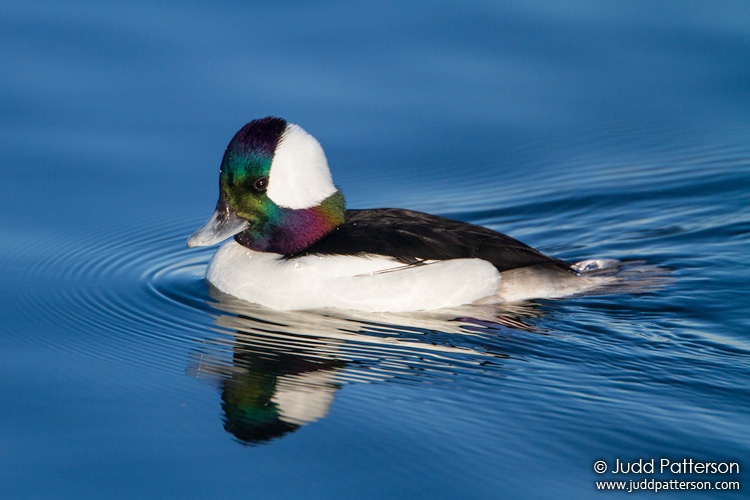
(137, 285)
(134, 292)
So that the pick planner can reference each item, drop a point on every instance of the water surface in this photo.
(585, 130)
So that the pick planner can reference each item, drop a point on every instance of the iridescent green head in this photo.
(275, 190)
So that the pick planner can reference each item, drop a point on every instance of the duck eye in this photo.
(261, 184)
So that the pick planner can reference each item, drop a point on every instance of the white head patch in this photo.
(299, 176)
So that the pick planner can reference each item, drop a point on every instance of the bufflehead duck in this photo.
(296, 246)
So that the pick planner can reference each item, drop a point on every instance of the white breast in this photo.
(372, 283)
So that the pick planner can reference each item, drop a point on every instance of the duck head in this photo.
(275, 191)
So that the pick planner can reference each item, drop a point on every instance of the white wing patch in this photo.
(299, 176)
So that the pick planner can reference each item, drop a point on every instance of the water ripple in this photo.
(125, 293)
(100, 286)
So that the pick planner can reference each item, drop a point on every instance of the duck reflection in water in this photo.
(269, 394)
(281, 370)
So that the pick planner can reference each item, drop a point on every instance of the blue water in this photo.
(586, 129)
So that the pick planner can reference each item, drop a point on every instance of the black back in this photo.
(411, 237)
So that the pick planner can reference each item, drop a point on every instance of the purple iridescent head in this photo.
(275, 190)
